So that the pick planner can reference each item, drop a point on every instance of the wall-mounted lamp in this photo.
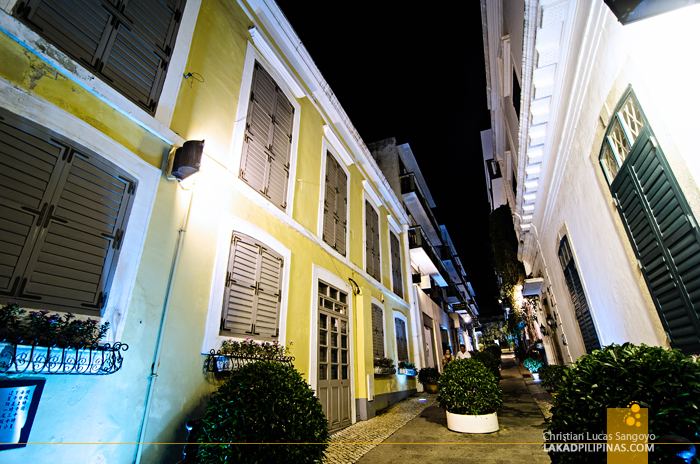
(187, 159)
(544, 330)
(551, 322)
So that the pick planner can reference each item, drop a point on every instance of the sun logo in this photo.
(633, 414)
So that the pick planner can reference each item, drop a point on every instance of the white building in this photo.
(593, 126)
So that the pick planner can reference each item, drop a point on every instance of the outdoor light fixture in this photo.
(551, 322)
(544, 330)
(187, 159)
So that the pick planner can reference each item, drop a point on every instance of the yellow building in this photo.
(289, 231)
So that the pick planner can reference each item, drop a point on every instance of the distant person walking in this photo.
(447, 358)
(463, 353)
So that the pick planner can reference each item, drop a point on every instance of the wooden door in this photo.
(334, 356)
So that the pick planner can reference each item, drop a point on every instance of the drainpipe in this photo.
(159, 343)
(544, 261)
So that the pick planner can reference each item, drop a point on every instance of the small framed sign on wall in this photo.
(19, 399)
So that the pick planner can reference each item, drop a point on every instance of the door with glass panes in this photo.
(333, 355)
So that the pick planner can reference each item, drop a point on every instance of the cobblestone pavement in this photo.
(351, 443)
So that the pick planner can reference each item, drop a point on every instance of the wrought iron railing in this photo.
(407, 372)
(217, 361)
(384, 370)
(16, 358)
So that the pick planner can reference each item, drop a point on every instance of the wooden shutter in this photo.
(372, 238)
(578, 297)
(129, 44)
(330, 201)
(396, 274)
(68, 210)
(253, 289)
(401, 339)
(377, 331)
(335, 205)
(664, 236)
(341, 211)
(268, 139)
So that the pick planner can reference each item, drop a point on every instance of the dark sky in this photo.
(416, 74)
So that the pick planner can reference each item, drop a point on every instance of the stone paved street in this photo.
(416, 431)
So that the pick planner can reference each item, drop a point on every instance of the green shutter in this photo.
(664, 236)
(578, 297)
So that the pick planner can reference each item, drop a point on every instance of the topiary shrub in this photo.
(520, 353)
(468, 387)
(488, 359)
(551, 376)
(263, 402)
(495, 350)
(667, 382)
(428, 376)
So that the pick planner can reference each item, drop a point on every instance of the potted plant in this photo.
(533, 365)
(470, 395)
(429, 377)
(407, 368)
(234, 354)
(384, 366)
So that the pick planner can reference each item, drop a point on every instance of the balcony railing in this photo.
(410, 185)
(418, 239)
(17, 358)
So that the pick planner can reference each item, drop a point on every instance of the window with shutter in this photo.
(268, 139)
(659, 223)
(377, 331)
(335, 205)
(401, 339)
(372, 241)
(578, 297)
(253, 289)
(63, 214)
(396, 275)
(127, 43)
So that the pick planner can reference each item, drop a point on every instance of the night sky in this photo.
(416, 74)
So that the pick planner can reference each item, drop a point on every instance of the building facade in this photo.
(441, 291)
(591, 128)
(290, 231)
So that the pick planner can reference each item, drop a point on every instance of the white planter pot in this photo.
(535, 376)
(465, 423)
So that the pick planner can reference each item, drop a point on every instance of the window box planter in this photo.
(33, 359)
(224, 363)
(407, 372)
(384, 370)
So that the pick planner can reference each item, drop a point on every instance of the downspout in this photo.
(159, 342)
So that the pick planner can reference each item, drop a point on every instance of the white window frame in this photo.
(228, 225)
(369, 196)
(402, 316)
(75, 129)
(159, 123)
(319, 273)
(233, 160)
(325, 148)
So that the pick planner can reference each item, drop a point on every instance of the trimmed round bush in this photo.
(551, 376)
(490, 360)
(263, 402)
(468, 387)
(428, 375)
(667, 382)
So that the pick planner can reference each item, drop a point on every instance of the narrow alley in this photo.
(415, 430)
